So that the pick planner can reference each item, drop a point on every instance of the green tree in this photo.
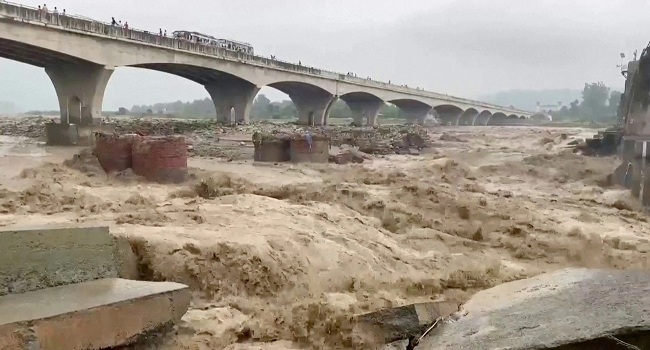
(614, 102)
(389, 111)
(574, 108)
(286, 110)
(262, 108)
(594, 100)
(340, 109)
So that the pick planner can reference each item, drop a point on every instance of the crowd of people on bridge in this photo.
(53, 16)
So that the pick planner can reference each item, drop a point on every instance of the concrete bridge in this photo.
(79, 55)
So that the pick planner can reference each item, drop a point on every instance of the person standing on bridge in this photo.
(113, 21)
(45, 13)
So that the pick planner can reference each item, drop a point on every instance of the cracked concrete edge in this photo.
(100, 327)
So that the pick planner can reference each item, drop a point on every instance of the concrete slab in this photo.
(42, 258)
(90, 315)
(551, 311)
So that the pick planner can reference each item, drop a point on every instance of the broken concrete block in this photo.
(567, 309)
(389, 325)
(92, 315)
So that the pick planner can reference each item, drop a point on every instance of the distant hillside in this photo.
(527, 99)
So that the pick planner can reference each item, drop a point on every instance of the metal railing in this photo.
(78, 23)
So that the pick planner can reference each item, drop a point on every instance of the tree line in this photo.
(262, 109)
(599, 103)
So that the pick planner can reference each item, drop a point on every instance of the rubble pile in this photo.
(382, 140)
(205, 137)
(164, 126)
(33, 127)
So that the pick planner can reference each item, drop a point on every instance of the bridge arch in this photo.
(498, 118)
(414, 111)
(468, 117)
(312, 102)
(364, 106)
(448, 113)
(232, 95)
(482, 118)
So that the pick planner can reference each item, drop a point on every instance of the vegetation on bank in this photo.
(598, 104)
(262, 109)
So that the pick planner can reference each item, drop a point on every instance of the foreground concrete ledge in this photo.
(90, 315)
(40, 258)
(572, 306)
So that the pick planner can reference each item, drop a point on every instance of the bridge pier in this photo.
(468, 117)
(448, 114)
(482, 118)
(415, 114)
(233, 100)
(365, 112)
(313, 108)
(80, 89)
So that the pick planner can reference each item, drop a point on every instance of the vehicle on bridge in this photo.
(205, 39)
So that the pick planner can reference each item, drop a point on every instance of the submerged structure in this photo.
(297, 148)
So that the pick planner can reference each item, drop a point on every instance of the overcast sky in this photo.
(464, 48)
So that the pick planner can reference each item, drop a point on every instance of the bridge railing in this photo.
(79, 23)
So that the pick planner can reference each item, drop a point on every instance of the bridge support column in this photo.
(313, 109)
(482, 118)
(233, 100)
(365, 112)
(415, 114)
(80, 90)
(468, 117)
(449, 117)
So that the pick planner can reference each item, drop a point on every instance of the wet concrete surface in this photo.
(61, 300)
(551, 311)
(98, 314)
(41, 258)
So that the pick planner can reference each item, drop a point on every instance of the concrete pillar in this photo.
(233, 100)
(80, 89)
(365, 112)
(482, 118)
(468, 117)
(415, 114)
(449, 117)
(313, 108)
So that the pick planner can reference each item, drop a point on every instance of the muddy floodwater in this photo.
(280, 256)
